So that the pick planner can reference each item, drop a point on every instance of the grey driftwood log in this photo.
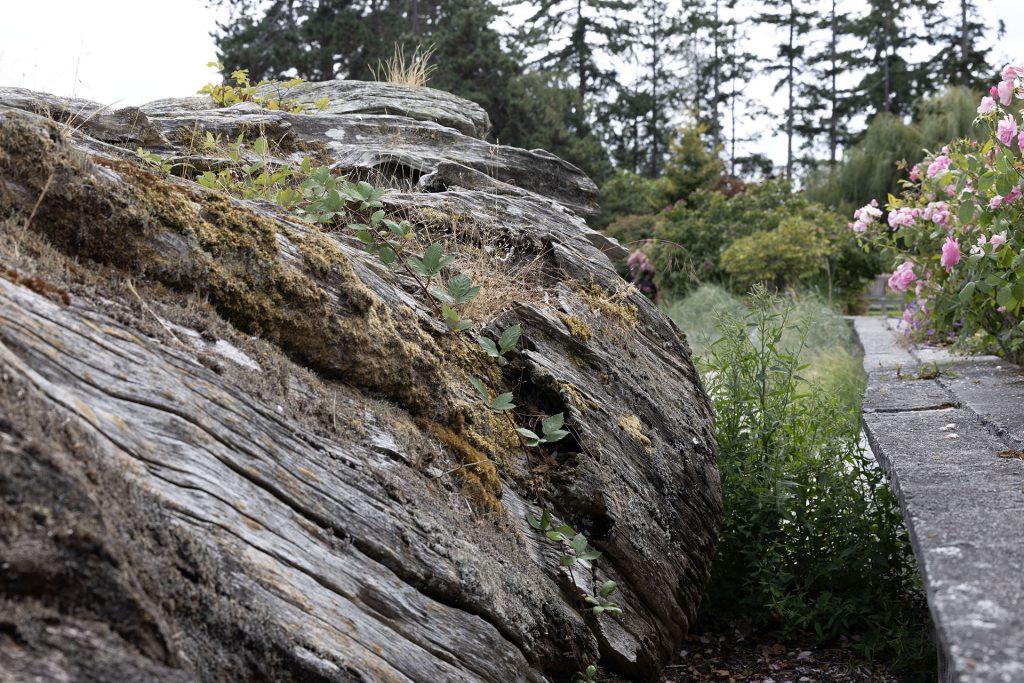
(234, 446)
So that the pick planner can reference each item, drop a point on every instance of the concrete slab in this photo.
(888, 391)
(939, 440)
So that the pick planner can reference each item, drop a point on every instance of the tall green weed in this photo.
(812, 543)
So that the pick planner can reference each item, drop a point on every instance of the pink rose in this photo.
(902, 277)
(950, 253)
(1012, 196)
(903, 217)
(987, 105)
(995, 202)
(997, 240)
(1012, 72)
(1007, 129)
(938, 165)
(936, 212)
(1005, 90)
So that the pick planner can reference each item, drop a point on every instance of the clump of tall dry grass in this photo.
(414, 70)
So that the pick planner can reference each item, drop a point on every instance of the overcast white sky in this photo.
(122, 52)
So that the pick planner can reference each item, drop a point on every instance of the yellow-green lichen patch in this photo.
(431, 218)
(578, 327)
(573, 395)
(480, 477)
(631, 424)
(579, 363)
(611, 305)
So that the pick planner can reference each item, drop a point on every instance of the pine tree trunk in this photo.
(964, 76)
(655, 153)
(791, 104)
(833, 133)
(580, 40)
(716, 72)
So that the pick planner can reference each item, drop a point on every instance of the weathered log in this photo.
(237, 447)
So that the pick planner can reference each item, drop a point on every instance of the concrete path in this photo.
(948, 442)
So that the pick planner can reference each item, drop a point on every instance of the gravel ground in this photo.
(734, 658)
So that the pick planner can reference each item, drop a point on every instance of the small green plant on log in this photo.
(506, 342)
(586, 676)
(266, 94)
(577, 552)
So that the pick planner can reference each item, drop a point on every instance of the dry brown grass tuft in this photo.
(506, 277)
(398, 69)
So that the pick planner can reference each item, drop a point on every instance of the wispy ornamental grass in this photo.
(698, 315)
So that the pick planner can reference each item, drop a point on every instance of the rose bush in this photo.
(955, 235)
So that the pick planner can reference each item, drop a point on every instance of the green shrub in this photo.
(631, 229)
(812, 542)
(693, 238)
(691, 166)
(796, 251)
(625, 194)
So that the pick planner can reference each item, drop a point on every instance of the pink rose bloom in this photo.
(998, 239)
(938, 165)
(1005, 90)
(865, 216)
(950, 253)
(903, 217)
(1012, 72)
(987, 105)
(902, 277)
(1012, 196)
(936, 212)
(1007, 129)
(1020, 140)
(995, 202)
(915, 172)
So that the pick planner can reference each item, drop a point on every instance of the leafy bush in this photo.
(625, 194)
(956, 233)
(632, 229)
(796, 251)
(693, 238)
(690, 167)
(812, 542)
